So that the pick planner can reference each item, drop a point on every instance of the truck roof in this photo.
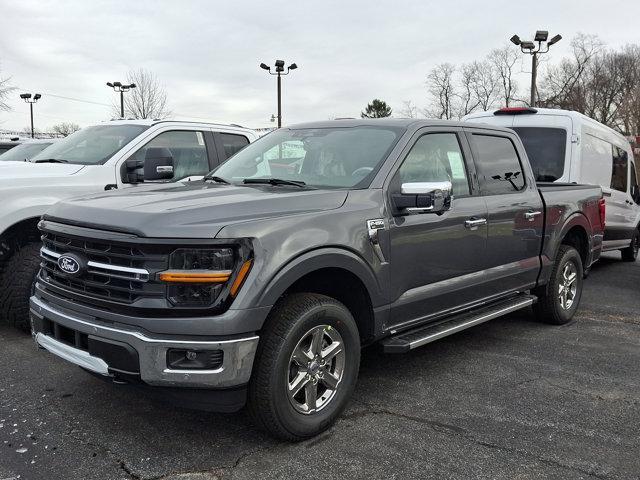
(150, 122)
(388, 122)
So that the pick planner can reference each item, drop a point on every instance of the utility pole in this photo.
(530, 48)
(31, 100)
(279, 71)
(119, 87)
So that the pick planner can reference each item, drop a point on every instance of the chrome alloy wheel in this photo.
(567, 286)
(315, 369)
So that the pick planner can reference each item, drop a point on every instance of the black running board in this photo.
(417, 337)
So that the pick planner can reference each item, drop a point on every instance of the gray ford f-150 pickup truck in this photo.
(260, 283)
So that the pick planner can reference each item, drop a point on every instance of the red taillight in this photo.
(515, 111)
(602, 208)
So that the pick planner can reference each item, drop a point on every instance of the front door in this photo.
(435, 260)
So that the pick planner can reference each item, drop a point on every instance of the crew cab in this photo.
(109, 155)
(260, 283)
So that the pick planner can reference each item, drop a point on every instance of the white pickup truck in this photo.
(100, 157)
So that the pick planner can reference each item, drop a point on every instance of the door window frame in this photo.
(207, 148)
(476, 155)
(417, 135)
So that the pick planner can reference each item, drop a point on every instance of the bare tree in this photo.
(503, 61)
(65, 128)
(467, 101)
(409, 110)
(441, 87)
(5, 89)
(147, 100)
(563, 84)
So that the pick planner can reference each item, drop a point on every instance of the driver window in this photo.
(188, 149)
(436, 157)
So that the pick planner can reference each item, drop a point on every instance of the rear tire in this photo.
(16, 285)
(293, 326)
(559, 299)
(630, 253)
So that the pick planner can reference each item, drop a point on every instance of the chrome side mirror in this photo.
(424, 197)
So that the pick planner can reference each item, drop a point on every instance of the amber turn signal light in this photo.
(242, 274)
(176, 276)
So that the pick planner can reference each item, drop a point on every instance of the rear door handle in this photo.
(531, 216)
(473, 224)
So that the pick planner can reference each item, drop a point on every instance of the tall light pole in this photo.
(279, 71)
(530, 48)
(31, 100)
(119, 87)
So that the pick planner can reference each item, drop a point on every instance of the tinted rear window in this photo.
(546, 148)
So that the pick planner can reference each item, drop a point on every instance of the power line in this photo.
(76, 99)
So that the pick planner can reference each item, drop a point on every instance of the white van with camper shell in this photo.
(566, 146)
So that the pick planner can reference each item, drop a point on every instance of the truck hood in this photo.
(190, 209)
(10, 171)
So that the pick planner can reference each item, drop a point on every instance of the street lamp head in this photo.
(279, 65)
(264, 66)
(293, 66)
(515, 40)
(527, 45)
(109, 84)
(555, 39)
(37, 96)
(117, 84)
(25, 96)
(541, 36)
(132, 85)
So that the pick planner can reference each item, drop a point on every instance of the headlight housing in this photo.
(205, 277)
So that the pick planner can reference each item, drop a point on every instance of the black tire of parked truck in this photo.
(16, 285)
(559, 299)
(630, 253)
(289, 354)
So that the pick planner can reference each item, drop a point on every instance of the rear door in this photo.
(435, 260)
(514, 211)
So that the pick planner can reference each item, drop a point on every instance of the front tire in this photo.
(558, 300)
(16, 285)
(305, 368)
(630, 253)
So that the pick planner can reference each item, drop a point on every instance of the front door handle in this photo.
(473, 224)
(531, 216)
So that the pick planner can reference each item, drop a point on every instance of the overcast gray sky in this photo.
(206, 53)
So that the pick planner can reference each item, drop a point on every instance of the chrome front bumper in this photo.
(238, 354)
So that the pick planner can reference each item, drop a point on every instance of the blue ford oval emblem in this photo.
(69, 264)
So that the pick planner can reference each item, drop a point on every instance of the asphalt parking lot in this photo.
(511, 399)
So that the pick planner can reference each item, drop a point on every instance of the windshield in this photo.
(320, 157)
(23, 152)
(91, 145)
(546, 149)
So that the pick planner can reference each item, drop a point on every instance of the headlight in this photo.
(197, 277)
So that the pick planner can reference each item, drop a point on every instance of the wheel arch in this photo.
(335, 272)
(18, 234)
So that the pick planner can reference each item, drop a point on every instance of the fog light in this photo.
(181, 359)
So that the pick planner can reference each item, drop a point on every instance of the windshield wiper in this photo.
(274, 181)
(215, 178)
(50, 160)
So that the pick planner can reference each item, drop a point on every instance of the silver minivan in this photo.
(566, 146)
